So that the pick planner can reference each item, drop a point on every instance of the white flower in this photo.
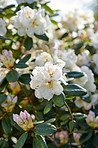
(95, 59)
(87, 81)
(43, 58)
(29, 21)
(4, 3)
(46, 81)
(3, 72)
(72, 21)
(80, 103)
(2, 27)
(83, 58)
(94, 40)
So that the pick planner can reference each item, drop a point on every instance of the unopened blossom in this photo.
(2, 27)
(63, 136)
(46, 81)
(43, 58)
(94, 40)
(92, 120)
(25, 1)
(24, 120)
(7, 59)
(9, 104)
(15, 87)
(77, 137)
(80, 103)
(29, 21)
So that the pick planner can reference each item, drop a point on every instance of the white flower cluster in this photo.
(94, 40)
(29, 21)
(46, 81)
(76, 20)
(25, 1)
(2, 27)
(95, 60)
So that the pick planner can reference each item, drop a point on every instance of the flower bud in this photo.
(7, 59)
(9, 103)
(63, 136)
(77, 137)
(24, 120)
(15, 87)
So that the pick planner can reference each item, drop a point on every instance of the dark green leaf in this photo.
(95, 140)
(44, 129)
(75, 74)
(21, 65)
(39, 142)
(79, 116)
(25, 59)
(3, 97)
(8, 7)
(21, 141)
(12, 76)
(64, 117)
(4, 144)
(6, 126)
(48, 107)
(59, 100)
(74, 90)
(25, 78)
(50, 120)
(64, 35)
(78, 47)
(85, 137)
(72, 125)
(42, 37)
(4, 38)
(28, 43)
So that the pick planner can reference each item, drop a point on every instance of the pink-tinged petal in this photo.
(22, 115)
(14, 100)
(33, 117)
(17, 119)
(27, 115)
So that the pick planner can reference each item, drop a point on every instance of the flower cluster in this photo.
(46, 81)
(63, 136)
(24, 120)
(29, 21)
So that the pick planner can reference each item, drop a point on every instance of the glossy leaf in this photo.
(12, 76)
(39, 142)
(59, 100)
(48, 107)
(28, 43)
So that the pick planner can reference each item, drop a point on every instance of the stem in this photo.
(2, 116)
(29, 98)
(51, 139)
(71, 116)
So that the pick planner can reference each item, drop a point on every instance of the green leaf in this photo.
(6, 126)
(25, 59)
(42, 37)
(59, 100)
(64, 35)
(39, 142)
(95, 140)
(74, 90)
(21, 141)
(3, 97)
(54, 22)
(12, 76)
(48, 107)
(4, 38)
(50, 120)
(85, 137)
(79, 116)
(8, 7)
(21, 65)
(75, 74)
(44, 129)
(47, 8)
(25, 78)
(4, 144)
(72, 125)
(78, 47)
(64, 117)
(28, 43)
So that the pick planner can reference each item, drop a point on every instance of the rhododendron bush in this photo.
(48, 77)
